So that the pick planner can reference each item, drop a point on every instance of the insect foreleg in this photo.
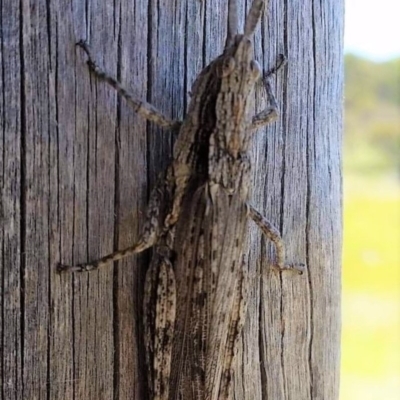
(144, 109)
(270, 114)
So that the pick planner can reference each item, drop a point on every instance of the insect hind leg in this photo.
(151, 229)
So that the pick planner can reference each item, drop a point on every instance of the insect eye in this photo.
(227, 66)
(255, 69)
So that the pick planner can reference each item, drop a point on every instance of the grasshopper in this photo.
(196, 286)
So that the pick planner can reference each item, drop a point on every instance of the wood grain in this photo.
(77, 166)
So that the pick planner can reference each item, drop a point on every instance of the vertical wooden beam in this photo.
(77, 165)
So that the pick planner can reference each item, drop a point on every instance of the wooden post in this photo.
(291, 343)
(77, 164)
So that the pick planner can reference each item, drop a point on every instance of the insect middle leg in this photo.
(273, 234)
(144, 109)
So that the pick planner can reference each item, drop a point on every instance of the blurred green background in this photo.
(370, 367)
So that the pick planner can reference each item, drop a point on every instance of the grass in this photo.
(371, 290)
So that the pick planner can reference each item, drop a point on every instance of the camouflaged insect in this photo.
(196, 286)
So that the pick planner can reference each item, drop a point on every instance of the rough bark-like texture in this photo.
(76, 165)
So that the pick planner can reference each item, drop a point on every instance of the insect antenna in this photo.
(233, 23)
(253, 17)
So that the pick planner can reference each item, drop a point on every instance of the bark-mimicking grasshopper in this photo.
(196, 288)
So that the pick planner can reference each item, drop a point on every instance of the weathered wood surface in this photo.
(77, 164)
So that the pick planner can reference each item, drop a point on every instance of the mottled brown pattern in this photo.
(210, 164)
(77, 165)
(196, 288)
